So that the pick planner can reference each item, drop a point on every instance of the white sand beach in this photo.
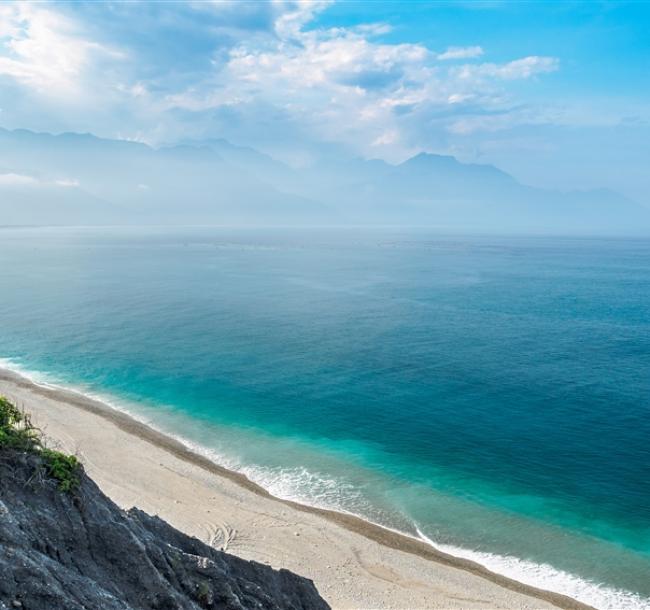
(354, 564)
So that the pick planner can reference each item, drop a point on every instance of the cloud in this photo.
(517, 69)
(24, 180)
(346, 85)
(331, 58)
(12, 179)
(333, 82)
(67, 182)
(292, 16)
(44, 50)
(265, 74)
(460, 53)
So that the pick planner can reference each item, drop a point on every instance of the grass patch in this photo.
(18, 434)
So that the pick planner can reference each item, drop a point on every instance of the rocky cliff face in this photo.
(77, 550)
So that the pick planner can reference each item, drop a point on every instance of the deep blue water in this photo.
(492, 394)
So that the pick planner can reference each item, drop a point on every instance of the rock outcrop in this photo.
(74, 550)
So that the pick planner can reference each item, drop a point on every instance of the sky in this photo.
(556, 93)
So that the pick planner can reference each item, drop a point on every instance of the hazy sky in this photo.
(557, 93)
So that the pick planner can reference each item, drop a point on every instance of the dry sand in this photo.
(354, 564)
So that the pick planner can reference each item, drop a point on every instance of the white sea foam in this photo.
(544, 576)
(36, 377)
(305, 487)
(316, 490)
(49, 381)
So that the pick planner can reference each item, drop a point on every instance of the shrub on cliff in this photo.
(19, 436)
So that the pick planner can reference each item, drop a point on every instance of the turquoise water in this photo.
(491, 395)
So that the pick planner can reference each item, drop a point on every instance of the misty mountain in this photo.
(130, 182)
(82, 179)
(440, 190)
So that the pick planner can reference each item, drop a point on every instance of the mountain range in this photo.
(81, 179)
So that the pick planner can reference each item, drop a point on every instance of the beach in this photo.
(354, 564)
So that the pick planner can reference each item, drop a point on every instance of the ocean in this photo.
(490, 395)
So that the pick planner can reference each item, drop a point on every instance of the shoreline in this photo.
(384, 538)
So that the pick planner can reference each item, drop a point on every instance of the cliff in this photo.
(65, 546)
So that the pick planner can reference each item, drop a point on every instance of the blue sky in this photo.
(557, 93)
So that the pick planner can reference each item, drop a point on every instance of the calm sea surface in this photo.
(491, 395)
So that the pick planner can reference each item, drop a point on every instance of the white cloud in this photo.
(261, 70)
(334, 82)
(388, 137)
(459, 98)
(513, 70)
(293, 15)
(12, 179)
(336, 59)
(344, 85)
(67, 182)
(460, 53)
(44, 50)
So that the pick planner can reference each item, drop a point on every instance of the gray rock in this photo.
(80, 551)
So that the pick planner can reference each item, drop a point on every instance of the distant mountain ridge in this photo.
(82, 179)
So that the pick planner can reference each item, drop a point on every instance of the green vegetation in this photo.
(18, 434)
(16, 430)
(63, 468)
